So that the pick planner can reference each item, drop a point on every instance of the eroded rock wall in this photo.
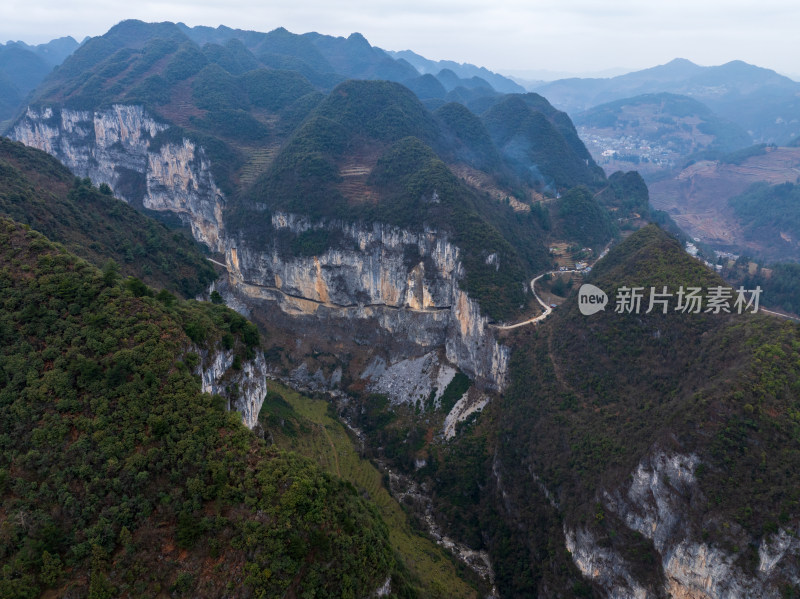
(658, 503)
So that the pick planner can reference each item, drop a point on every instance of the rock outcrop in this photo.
(244, 388)
(125, 147)
(367, 277)
(658, 504)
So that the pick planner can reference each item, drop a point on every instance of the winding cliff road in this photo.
(327, 303)
(547, 309)
(503, 327)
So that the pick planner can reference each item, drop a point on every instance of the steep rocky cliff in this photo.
(245, 386)
(657, 504)
(121, 146)
(399, 287)
(416, 304)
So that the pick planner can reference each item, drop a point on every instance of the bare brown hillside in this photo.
(697, 197)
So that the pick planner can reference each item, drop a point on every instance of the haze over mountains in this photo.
(386, 229)
(22, 68)
(656, 132)
(698, 135)
(765, 103)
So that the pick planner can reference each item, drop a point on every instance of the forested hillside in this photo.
(37, 190)
(118, 477)
(594, 400)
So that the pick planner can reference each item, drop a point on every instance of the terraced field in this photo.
(354, 182)
(258, 161)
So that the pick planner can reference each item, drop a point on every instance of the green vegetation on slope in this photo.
(592, 396)
(740, 156)
(37, 190)
(565, 126)
(379, 110)
(119, 478)
(299, 423)
(475, 145)
(356, 114)
(220, 106)
(535, 146)
(630, 193)
(780, 283)
(583, 219)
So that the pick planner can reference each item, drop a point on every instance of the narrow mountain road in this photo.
(547, 309)
(778, 314)
(329, 304)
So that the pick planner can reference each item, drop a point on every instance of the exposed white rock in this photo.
(657, 504)
(471, 402)
(416, 381)
(385, 589)
(771, 550)
(219, 378)
(179, 180)
(114, 146)
(603, 566)
(408, 491)
(658, 494)
(368, 278)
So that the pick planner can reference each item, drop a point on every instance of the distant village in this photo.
(570, 259)
(626, 149)
(723, 258)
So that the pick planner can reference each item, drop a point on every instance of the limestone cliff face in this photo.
(245, 389)
(368, 283)
(119, 146)
(657, 504)
(368, 277)
(602, 565)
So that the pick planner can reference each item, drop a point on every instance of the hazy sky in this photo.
(506, 35)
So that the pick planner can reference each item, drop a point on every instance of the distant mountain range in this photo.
(461, 70)
(324, 60)
(23, 67)
(760, 100)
